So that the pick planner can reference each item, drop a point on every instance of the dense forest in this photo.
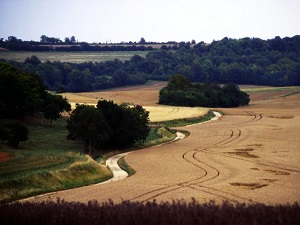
(274, 62)
(181, 92)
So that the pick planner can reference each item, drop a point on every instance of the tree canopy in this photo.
(108, 125)
(181, 92)
(274, 62)
(21, 93)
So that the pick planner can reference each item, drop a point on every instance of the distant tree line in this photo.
(273, 62)
(181, 92)
(108, 125)
(71, 44)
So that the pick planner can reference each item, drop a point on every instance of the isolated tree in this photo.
(54, 105)
(142, 41)
(51, 112)
(33, 60)
(73, 40)
(88, 124)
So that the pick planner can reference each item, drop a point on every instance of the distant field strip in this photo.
(73, 57)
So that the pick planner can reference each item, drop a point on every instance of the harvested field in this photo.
(263, 167)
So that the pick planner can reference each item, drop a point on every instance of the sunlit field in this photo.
(165, 113)
(73, 57)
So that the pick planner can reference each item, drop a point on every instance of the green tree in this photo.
(88, 124)
(15, 133)
(21, 93)
(54, 105)
(33, 60)
(128, 125)
(178, 82)
(51, 112)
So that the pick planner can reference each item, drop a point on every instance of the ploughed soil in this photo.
(251, 154)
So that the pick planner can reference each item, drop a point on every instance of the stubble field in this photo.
(250, 155)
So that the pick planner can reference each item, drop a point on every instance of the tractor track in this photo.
(210, 172)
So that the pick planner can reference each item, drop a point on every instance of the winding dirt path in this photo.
(251, 154)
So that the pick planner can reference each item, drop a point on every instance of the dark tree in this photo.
(21, 93)
(88, 124)
(51, 112)
(15, 133)
(33, 60)
(142, 41)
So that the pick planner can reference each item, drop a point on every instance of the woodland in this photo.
(273, 62)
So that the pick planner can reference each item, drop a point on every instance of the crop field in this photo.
(249, 155)
(73, 57)
(133, 95)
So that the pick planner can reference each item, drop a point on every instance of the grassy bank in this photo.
(46, 162)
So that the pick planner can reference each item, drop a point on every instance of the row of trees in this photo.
(108, 125)
(181, 92)
(71, 44)
(244, 61)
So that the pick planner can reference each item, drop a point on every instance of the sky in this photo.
(115, 21)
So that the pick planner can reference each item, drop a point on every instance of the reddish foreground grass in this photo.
(4, 156)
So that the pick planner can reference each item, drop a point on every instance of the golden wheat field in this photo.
(139, 95)
(249, 155)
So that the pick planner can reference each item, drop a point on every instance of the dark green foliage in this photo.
(54, 105)
(33, 60)
(109, 125)
(181, 92)
(88, 124)
(14, 133)
(21, 93)
(274, 62)
(147, 213)
(128, 125)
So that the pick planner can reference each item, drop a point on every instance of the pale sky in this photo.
(155, 20)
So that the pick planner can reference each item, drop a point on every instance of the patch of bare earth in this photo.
(200, 167)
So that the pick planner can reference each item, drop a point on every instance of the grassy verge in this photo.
(46, 162)
(124, 166)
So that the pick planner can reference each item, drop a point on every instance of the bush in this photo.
(14, 133)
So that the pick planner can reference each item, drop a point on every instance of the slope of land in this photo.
(251, 154)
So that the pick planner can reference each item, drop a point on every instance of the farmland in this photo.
(250, 155)
(73, 57)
